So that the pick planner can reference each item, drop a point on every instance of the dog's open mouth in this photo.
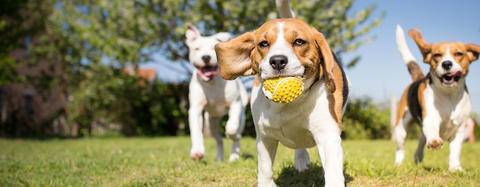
(208, 72)
(451, 78)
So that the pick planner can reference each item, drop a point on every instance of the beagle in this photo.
(284, 48)
(439, 100)
(211, 97)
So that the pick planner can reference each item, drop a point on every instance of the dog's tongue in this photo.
(457, 75)
(208, 72)
(453, 76)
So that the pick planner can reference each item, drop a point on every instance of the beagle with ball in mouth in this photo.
(291, 48)
(439, 100)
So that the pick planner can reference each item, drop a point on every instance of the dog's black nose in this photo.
(206, 58)
(278, 62)
(447, 65)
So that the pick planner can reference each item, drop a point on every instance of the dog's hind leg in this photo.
(213, 123)
(399, 134)
(420, 149)
(234, 128)
(302, 159)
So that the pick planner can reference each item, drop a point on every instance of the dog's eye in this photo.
(458, 54)
(196, 48)
(437, 55)
(263, 44)
(299, 42)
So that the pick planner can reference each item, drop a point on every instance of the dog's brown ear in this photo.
(234, 56)
(333, 75)
(423, 45)
(473, 50)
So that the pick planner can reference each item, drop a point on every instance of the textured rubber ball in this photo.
(283, 89)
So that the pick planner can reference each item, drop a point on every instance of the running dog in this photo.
(439, 100)
(211, 97)
(291, 48)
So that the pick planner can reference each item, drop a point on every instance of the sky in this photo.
(381, 74)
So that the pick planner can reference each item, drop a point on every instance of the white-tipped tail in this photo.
(284, 9)
(403, 47)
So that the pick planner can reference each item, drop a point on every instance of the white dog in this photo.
(211, 97)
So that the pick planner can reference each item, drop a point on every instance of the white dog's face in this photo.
(202, 51)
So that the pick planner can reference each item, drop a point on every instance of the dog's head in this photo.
(449, 61)
(281, 48)
(202, 51)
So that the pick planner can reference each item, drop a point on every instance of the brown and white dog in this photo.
(439, 100)
(283, 48)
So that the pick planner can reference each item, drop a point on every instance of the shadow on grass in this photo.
(314, 176)
(246, 156)
(431, 169)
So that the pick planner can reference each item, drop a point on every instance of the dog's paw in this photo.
(197, 155)
(301, 167)
(435, 143)
(455, 169)
(233, 157)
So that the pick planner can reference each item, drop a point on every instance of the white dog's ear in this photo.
(191, 34)
(223, 36)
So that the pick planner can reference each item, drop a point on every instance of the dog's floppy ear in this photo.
(423, 45)
(234, 56)
(473, 50)
(191, 34)
(333, 75)
(222, 36)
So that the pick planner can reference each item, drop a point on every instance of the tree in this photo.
(93, 41)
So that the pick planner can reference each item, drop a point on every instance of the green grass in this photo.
(165, 162)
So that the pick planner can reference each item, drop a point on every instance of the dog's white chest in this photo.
(292, 124)
(219, 95)
(453, 110)
(291, 132)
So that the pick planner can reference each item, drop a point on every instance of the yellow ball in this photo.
(283, 89)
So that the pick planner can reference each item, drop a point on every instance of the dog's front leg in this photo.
(234, 128)
(329, 146)
(266, 149)
(455, 150)
(431, 129)
(195, 122)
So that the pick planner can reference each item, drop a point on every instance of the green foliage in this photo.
(139, 106)
(122, 29)
(18, 19)
(7, 70)
(365, 120)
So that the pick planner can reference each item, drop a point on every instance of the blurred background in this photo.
(82, 68)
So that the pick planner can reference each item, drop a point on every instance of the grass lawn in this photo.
(165, 162)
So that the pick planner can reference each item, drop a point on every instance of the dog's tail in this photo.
(284, 9)
(413, 68)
